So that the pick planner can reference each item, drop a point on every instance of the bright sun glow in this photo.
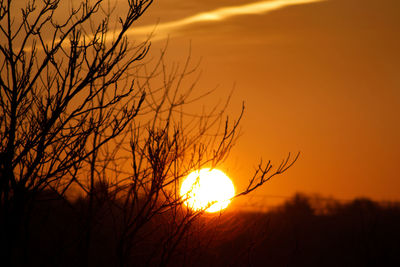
(207, 188)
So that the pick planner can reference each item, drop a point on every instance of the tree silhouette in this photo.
(82, 113)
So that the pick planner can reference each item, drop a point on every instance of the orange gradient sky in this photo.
(320, 77)
(317, 76)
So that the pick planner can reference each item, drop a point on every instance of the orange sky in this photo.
(321, 78)
(317, 76)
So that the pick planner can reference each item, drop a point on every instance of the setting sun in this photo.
(207, 189)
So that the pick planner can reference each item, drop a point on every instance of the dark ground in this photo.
(302, 232)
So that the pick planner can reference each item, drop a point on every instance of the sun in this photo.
(208, 189)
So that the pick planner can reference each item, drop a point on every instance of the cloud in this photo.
(164, 30)
(161, 31)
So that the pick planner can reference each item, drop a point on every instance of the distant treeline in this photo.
(308, 231)
(301, 232)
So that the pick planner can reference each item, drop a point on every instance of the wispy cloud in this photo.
(162, 30)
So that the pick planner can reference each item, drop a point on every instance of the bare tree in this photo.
(61, 86)
(81, 111)
(166, 148)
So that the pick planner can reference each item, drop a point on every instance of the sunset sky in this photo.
(320, 77)
(121, 145)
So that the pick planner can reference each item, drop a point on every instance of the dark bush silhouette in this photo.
(359, 233)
